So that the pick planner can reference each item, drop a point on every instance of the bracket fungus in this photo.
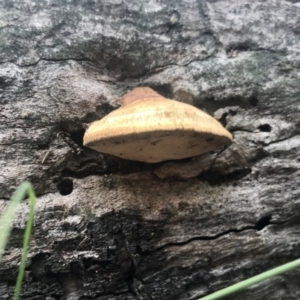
(150, 128)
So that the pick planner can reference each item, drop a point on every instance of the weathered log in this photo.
(107, 228)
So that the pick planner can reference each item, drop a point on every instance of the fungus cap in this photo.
(151, 128)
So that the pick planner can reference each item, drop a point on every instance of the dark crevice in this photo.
(293, 1)
(253, 101)
(74, 132)
(99, 112)
(53, 60)
(223, 119)
(260, 154)
(129, 278)
(38, 267)
(66, 172)
(4, 82)
(279, 140)
(265, 128)
(65, 186)
(110, 294)
(215, 177)
(215, 159)
(43, 146)
(262, 143)
(263, 222)
(68, 58)
(240, 130)
(211, 105)
(162, 89)
(247, 45)
(108, 166)
(159, 68)
(77, 136)
(71, 130)
(260, 224)
(121, 242)
(130, 275)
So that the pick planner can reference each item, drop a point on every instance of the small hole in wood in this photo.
(265, 128)
(253, 101)
(65, 186)
(263, 222)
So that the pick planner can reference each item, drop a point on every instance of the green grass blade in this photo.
(26, 241)
(253, 280)
(6, 222)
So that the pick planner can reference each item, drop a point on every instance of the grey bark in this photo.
(107, 228)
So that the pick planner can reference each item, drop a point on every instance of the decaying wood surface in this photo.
(107, 228)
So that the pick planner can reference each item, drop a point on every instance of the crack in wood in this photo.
(204, 238)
